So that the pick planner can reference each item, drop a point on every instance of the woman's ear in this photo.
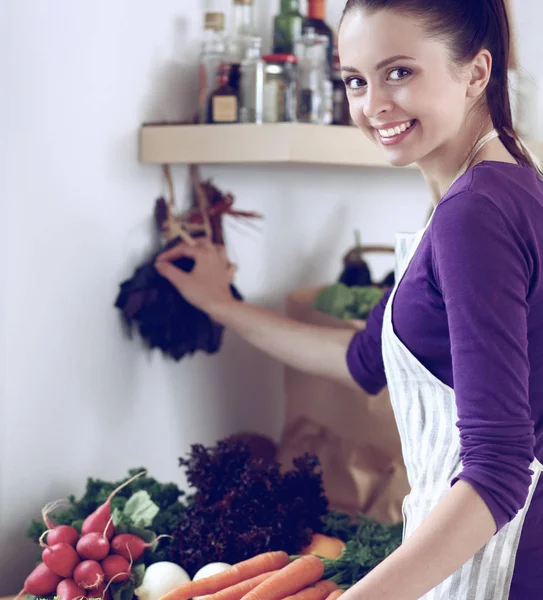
(480, 70)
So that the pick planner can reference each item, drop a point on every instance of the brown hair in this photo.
(468, 26)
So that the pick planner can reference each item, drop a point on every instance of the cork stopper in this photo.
(214, 20)
(243, 2)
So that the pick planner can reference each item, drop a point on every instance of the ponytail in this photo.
(498, 90)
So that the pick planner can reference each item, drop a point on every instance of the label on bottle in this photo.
(271, 102)
(225, 109)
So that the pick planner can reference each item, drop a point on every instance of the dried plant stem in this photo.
(173, 228)
(203, 202)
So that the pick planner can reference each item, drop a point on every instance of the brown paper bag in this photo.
(353, 434)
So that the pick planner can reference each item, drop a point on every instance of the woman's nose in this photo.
(376, 101)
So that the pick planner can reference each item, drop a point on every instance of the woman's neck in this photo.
(441, 167)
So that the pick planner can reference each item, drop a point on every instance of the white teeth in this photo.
(388, 133)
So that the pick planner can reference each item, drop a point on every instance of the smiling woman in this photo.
(427, 82)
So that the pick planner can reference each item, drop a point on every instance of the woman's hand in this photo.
(208, 284)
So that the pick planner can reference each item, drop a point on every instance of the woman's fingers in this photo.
(178, 252)
(182, 249)
(174, 275)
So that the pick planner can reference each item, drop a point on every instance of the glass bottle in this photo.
(252, 83)
(340, 111)
(223, 102)
(287, 27)
(242, 30)
(316, 13)
(315, 92)
(212, 55)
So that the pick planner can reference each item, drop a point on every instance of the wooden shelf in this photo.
(294, 143)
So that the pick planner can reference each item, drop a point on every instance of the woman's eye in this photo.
(354, 83)
(399, 73)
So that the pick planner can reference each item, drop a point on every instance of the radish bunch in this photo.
(83, 566)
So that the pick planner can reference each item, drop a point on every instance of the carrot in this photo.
(319, 591)
(262, 563)
(236, 592)
(335, 595)
(296, 576)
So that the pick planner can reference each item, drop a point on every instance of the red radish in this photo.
(61, 559)
(93, 546)
(131, 546)
(63, 534)
(68, 589)
(116, 568)
(89, 575)
(100, 519)
(41, 582)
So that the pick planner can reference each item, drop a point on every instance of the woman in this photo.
(459, 340)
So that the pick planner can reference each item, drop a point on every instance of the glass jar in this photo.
(280, 87)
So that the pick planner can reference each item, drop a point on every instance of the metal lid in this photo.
(280, 58)
(214, 20)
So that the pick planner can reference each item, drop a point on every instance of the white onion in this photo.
(208, 571)
(159, 579)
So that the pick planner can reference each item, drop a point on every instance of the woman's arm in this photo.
(322, 351)
(309, 348)
(458, 527)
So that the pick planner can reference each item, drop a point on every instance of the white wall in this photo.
(77, 397)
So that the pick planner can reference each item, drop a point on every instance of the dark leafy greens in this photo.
(242, 507)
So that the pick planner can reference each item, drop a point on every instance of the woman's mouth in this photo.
(396, 134)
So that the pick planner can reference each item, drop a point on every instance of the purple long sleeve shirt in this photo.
(470, 309)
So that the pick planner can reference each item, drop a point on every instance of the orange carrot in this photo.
(236, 592)
(319, 591)
(335, 595)
(296, 576)
(262, 563)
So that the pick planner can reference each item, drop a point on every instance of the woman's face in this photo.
(401, 90)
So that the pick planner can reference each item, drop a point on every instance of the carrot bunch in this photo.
(268, 576)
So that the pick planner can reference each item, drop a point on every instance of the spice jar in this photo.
(280, 87)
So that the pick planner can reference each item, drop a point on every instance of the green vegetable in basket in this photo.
(344, 302)
(334, 300)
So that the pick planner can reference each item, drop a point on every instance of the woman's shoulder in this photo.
(514, 191)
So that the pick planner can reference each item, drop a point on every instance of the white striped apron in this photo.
(426, 415)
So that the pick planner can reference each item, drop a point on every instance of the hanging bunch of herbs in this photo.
(148, 301)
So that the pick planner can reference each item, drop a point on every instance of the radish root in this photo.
(164, 535)
(49, 508)
(112, 579)
(107, 525)
(42, 543)
(111, 496)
